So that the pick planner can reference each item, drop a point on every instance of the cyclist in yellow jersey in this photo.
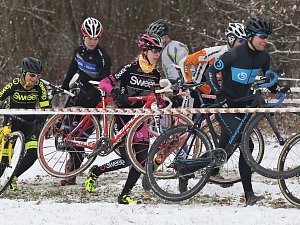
(26, 92)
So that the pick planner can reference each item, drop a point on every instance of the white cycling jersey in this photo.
(172, 53)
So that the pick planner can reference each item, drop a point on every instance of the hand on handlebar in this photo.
(122, 99)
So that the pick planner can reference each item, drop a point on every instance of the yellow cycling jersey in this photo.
(25, 99)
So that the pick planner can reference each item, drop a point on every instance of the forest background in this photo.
(50, 30)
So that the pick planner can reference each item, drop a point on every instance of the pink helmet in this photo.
(150, 41)
(91, 27)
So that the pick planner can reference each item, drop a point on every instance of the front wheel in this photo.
(269, 125)
(289, 158)
(143, 133)
(58, 156)
(167, 162)
(12, 156)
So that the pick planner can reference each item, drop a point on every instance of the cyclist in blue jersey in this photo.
(91, 62)
(239, 67)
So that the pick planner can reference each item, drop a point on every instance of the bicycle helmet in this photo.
(32, 65)
(150, 41)
(159, 27)
(91, 27)
(235, 30)
(258, 25)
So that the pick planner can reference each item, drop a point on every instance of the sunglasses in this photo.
(262, 36)
(34, 75)
(155, 50)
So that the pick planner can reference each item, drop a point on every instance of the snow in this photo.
(229, 208)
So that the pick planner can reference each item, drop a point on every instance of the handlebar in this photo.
(58, 88)
(166, 85)
(272, 77)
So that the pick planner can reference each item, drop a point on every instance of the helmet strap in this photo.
(251, 43)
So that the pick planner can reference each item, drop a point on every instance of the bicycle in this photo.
(67, 134)
(229, 172)
(290, 157)
(12, 151)
(201, 159)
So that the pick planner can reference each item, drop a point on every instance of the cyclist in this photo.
(239, 67)
(91, 62)
(25, 92)
(136, 79)
(235, 35)
(173, 50)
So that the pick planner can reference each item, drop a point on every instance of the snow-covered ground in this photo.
(42, 201)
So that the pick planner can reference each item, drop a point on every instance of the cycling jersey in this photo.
(133, 81)
(201, 60)
(239, 66)
(172, 53)
(90, 64)
(18, 97)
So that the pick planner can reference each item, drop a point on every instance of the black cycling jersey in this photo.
(239, 66)
(135, 82)
(90, 64)
(18, 97)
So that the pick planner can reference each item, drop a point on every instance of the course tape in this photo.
(127, 111)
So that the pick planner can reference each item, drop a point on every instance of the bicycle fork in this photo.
(280, 139)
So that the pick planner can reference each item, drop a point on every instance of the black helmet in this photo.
(258, 24)
(32, 65)
(159, 27)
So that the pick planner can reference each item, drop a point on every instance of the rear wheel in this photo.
(9, 165)
(170, 180)
(289, 158)
(58, 156)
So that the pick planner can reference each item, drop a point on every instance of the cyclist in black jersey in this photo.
(91, 62)
(136, 79)
(25, 92)
(239, 67)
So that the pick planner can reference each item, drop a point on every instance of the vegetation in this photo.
(50, 30)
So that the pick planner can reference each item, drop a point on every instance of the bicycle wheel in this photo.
(58, 156)
(143, 133)
(268, 165)
(289, 158)
(163, 171)
(229, 172)
(8, 168)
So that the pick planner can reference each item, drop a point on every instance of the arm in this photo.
(6, 91)
(73, 67)
(221, 64)
(106, 84)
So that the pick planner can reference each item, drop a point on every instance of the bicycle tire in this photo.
(138, 158)
(290, 156)
(7, 172)
(229, 172)
(163, 177)
(54, 154)
(265, 167)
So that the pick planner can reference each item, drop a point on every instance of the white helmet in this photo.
(91, 27)
(234, 31)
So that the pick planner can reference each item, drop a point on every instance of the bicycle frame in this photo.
(229, 148)
(4, 134)
(151, 101)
